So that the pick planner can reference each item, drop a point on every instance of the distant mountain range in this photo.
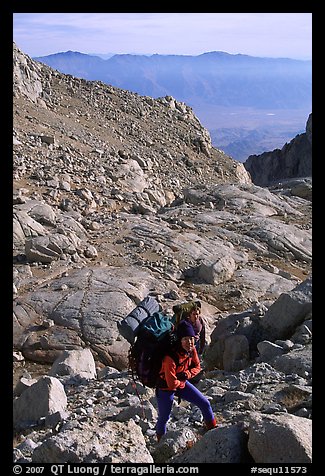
(207, 83)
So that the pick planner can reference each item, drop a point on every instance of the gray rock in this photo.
(280, 439)
(43, 398)
(221, 445)
(88, 443)
(289, 310)
(74, 362)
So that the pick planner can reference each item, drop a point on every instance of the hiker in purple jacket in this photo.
(195, 319)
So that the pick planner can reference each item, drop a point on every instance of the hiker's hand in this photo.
(181, 376)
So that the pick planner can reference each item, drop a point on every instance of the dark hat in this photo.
(185, 329)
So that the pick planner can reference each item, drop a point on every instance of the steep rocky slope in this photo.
(113, 126)
(117, 196)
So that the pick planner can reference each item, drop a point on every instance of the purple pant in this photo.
(189, 393)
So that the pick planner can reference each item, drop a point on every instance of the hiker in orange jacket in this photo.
(176, 369)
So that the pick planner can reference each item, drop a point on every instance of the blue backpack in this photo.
(155, 338)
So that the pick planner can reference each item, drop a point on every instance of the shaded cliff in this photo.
(292, 161)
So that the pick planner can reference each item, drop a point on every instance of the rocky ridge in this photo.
(117, 196)
(294, 160)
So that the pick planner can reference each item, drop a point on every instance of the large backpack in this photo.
(155, 338)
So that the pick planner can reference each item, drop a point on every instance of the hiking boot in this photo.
(210, 424)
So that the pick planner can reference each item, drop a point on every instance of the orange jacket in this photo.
(187, 363)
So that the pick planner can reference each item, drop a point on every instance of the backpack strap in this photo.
(173, 354)
(161, 382)
(136, 318)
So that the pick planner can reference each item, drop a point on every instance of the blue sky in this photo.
(286, 35)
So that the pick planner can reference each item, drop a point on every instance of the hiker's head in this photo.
(186, 335)
(193, 313)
